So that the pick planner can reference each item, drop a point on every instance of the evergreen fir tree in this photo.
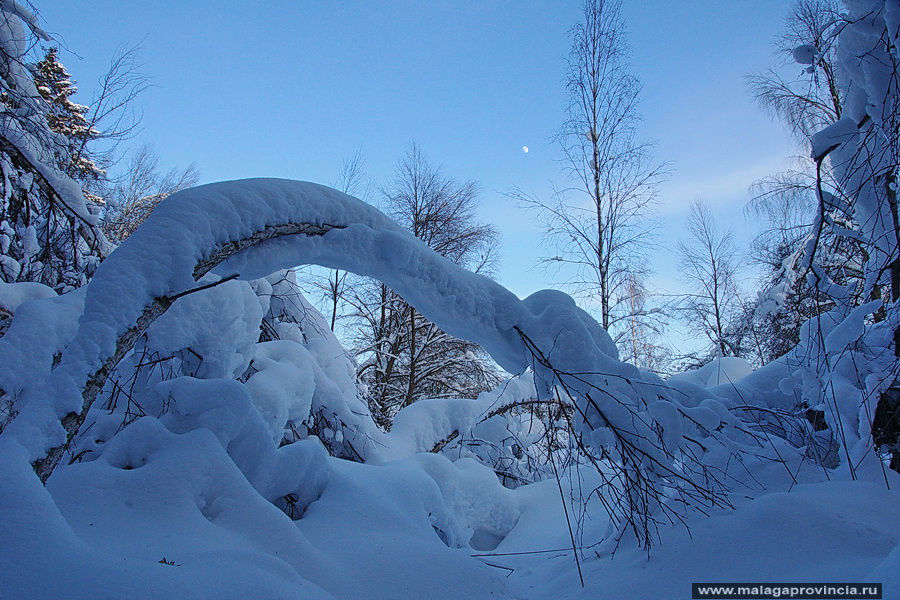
(66, 117)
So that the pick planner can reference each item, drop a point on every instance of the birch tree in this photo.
(708, 264)
(599, 229)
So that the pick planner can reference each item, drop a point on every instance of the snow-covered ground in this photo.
(102, 529)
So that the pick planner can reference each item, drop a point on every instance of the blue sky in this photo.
(291, 89)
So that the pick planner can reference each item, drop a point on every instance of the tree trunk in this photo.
(334, 298)
(895, 265)
(412, 357)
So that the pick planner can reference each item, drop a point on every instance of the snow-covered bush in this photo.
(508, 429)
(296, 334)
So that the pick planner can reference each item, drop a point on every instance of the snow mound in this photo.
(723, 370)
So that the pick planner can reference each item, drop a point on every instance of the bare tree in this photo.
(114, 115)
(708, 264)
(352, 181)
(805, 102)
(600, 228)
(404, 357)
(139, 189)
(440, 212)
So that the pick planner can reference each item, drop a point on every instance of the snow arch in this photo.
(251, 228)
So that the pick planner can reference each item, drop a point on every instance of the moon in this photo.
(525, 149)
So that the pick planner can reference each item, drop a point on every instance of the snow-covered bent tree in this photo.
(662, 451)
